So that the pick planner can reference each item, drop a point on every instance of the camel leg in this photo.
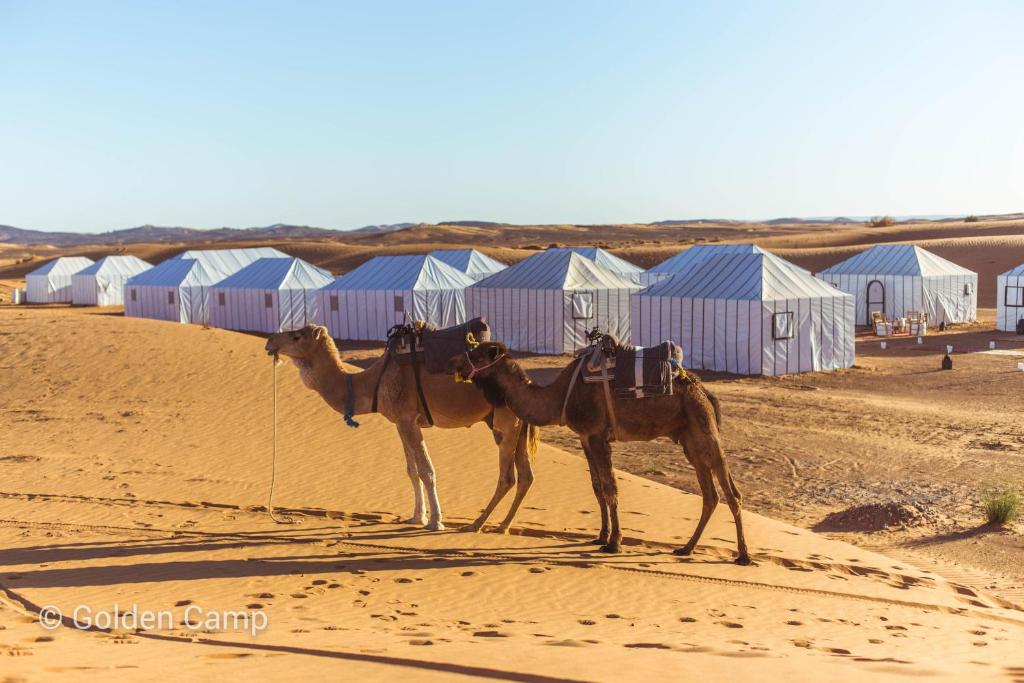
(602, 451)
(413, 435)
(735, 502)
(524, 474)
(595, 481)
(419, 517)
(710, 502)
(506, 475)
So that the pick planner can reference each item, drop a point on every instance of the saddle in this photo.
(430, 347)
(633, 371)
(425, 347)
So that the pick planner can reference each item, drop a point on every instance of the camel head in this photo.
(300, 344)
(479, 362)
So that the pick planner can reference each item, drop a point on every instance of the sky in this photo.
(338, 115)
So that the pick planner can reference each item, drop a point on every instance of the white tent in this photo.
(619, 266)
(1010, 299)
(269, 295)
(178, 288)
(688, 259)
(469, 261)
(548, 302)
(102, 283)
(748, 314)
(387, 290)
(51, 282)
(898, 278)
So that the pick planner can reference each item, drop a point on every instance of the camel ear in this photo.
(493, 352)
(318, 333)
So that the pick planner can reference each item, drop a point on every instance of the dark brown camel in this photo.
(689, 417)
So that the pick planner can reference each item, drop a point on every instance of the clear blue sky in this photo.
(342, 114)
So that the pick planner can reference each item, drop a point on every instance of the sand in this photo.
(135, 458)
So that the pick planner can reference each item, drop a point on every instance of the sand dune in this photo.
(135, 456)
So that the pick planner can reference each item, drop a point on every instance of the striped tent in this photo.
(748, 314)
(388, 290)
(179, 288)
(1010, 299)
(470, 261)
(619, 266)
(548, 302)
(51, 282)
(688, 259)
(102, 283)
(269, 295)
(895, 279)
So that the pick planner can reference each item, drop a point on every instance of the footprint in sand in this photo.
(688, 620)
(652, 646)
(490, 634)
(729, 624)
(182, 603)
(254, 605)
(586, 622)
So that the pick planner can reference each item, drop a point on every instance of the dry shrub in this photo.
(1003, 505)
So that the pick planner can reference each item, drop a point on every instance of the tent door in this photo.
(876, 299)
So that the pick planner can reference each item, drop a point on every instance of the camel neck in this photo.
(325, 375)
(538, 405)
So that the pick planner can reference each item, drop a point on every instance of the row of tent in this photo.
(734, 308)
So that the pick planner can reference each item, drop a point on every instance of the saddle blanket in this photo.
(635, 371)
(435, 347)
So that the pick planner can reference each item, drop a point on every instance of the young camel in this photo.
(313, 352)
(689, 417)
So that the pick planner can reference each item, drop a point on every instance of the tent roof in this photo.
(402, 272)
(116, 265)
(750, 276)
(1015, 272)
(690, 258)
(469, 261)
(603, 258)
(224, 262)
(557, 269)
(278, 273)
(175, 272)
(897, 259)
(65, 265)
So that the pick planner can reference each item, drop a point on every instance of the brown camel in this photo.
(689, 417)
(351, 393)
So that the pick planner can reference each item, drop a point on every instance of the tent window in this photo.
(399, 303)
(220, 298)
(782, 325)
(133, 295)
(967, 289)
(1014, 296)
(582, 306)
(334, 302)
(170, 297)
(268, 300)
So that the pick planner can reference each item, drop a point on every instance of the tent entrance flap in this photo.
(875, 299)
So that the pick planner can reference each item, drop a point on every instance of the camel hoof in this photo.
(435, 526)
(743, 561)
(598, 541)
(685, 551)
(501, 529)
(471, 528)
(415, 521)
(611, 548)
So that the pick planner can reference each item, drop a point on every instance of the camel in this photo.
(689, 417)
(315, 355)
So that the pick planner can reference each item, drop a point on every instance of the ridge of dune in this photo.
(136, 457)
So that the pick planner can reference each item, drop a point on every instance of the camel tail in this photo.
(715, 404)
(528, 440)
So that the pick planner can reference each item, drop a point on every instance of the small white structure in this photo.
(619, 266)
(895, 279)
(688, 259)
(388, 290)
(102, 283)
(548, 302)
(470, 261)
(51, 282)
(269, 295)
(1010, 299)
(748, 314)
(178, 288)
